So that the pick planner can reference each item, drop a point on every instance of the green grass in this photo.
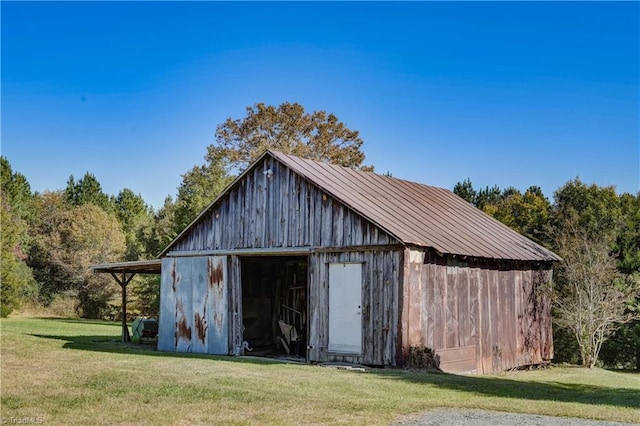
(76, 371)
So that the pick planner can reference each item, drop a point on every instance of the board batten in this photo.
(279, 209)
(166, 325)
(415, 297)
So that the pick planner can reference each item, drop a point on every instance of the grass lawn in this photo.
(76, 371)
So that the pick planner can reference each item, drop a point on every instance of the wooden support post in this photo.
(124, 281)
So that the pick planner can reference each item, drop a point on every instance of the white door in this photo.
(345, 307)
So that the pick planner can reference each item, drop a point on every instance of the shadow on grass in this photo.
(113, 344)
(71, 320)
(529, 390)
(480, 385)
(624, 371)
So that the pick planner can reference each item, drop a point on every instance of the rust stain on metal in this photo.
(218, 321)
(182, 328)
(215, 274)
(200, 322)
(174, 276)
(201, 326)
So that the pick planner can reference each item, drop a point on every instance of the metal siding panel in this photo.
(200, 302)
(218, 289)
(184, 308)
(167, 323)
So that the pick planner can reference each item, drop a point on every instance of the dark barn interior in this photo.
(274, 305)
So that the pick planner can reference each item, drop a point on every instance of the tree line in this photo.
(49, 239)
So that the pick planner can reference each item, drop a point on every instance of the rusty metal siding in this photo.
(166, 324)
(277, 210)
(498, 312)
(380, 311)
(194, 310)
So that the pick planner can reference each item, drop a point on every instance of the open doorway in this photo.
(274, 305)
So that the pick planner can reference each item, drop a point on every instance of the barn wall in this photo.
(194, 308)
(380, 281)
(279, 209)
(478, 315)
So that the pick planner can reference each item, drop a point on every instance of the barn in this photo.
(328, 264)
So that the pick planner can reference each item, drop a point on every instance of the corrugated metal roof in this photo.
(419, 214)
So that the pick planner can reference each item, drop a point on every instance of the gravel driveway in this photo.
(454, 417)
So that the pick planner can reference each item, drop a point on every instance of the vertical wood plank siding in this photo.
(381, 272)
(279, 209)
(478, 315)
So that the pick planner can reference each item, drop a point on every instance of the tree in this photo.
(135, 217)
(87, 191)
(488, 196)
(15, 275)
(592, 296)
(16, 190)
(69, 239)
(164, 228)
(623, 348)
(526, 213)
(16, 204)
(200, 186)
(89, 235)
(44, 254)
(465, 191)
(287, 128)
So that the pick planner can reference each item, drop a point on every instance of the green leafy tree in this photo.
(592, 296)
(89, 235)
(15, 275)
(136, 219)
(16, 202)
(488, 196)
(526, 213)
(623, 348)
(288, 128)
(465, 191)
(69, 239)
(16, 190)
(164, 227)
(44, 255)
(87, 191)
(200, 186)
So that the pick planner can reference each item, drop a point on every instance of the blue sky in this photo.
(513, 94)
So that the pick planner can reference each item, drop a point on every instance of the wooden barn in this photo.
(326, 264)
